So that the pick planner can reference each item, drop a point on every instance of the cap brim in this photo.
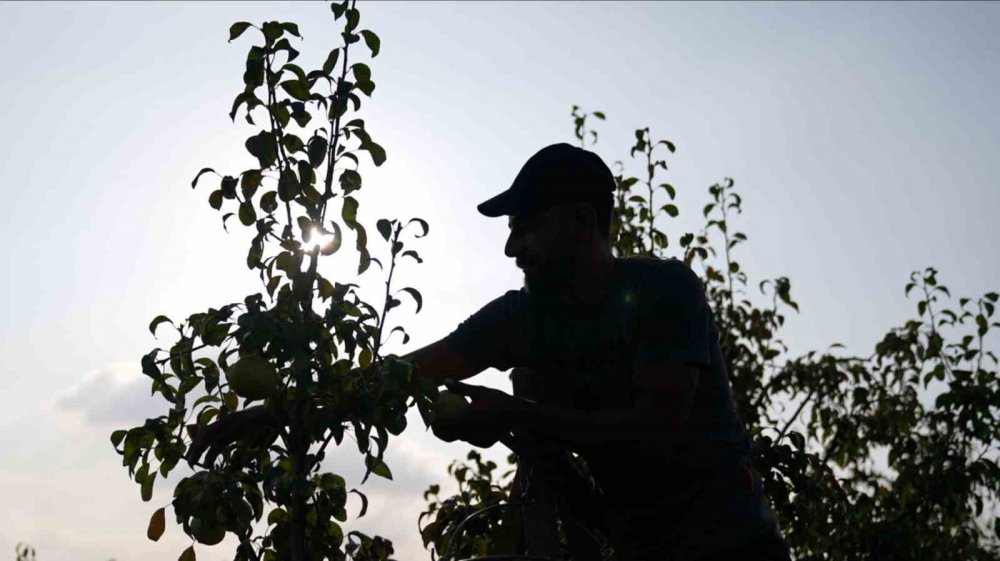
(500, 205)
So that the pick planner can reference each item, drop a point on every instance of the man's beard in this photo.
(550, 280)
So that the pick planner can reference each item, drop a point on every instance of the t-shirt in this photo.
(696, 496)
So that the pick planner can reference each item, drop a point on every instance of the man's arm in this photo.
(439, 362)
(656, 421)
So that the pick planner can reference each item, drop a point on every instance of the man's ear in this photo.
(586, 217)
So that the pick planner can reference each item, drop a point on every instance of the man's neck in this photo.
(592, 280)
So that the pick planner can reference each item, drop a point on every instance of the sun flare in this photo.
(326, 242)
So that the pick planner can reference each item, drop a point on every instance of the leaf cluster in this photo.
(325, 342)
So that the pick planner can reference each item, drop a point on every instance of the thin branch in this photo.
(796, 414)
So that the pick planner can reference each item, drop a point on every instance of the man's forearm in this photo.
(576, 429)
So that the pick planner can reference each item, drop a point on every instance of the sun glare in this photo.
(324, 241)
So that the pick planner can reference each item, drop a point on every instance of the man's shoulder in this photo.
(658, 274)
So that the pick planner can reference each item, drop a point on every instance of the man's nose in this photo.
(513, 246)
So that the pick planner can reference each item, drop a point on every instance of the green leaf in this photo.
(362, 73)
(413, 254)
(598, 114)
(299, 113)
(291, 28)
(157, 524)
(273, 284)
(237, 29)
(376, 151)
(350, 211)
(146, 490)
(188, 555)
(364, 501)
(254, 75)
(264, 147)
(276, 515)
(269, 202)
(249, 183)
(215, 199)
(247, 214)
(317, 150)
(284, 45)
(381, 470)
(231, 400)
(149, 367)
(670, 145)
(338, 9)
(156, 322)
(307, 176)
(626, 183)
(331, 61)
(298, 90)
(297, 70)
(350, 181)
(422, 223)
(416, 296)
(353, 18)
(292, 143)
(669, 189)
(228, 187)
(337, 240)
(245, 97)
(384, 227)
(670, 209)
(194, 183)
(288, 185)
(366, 88)
(372, 41)
(272, 31)
(117, 437)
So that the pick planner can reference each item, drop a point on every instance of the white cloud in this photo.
(116, 395)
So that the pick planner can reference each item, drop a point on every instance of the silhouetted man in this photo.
(621, 358)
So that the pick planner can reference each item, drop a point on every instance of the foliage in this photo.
(888, 456)
(491, 532)
(268, 489)
(24, 552)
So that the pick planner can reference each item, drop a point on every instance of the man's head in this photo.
(559, 209)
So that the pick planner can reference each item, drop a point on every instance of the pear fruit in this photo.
(449, 406)
(207, 534)
(253, 378)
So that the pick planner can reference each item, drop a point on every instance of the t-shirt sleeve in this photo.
(676, 319)
(497, 335)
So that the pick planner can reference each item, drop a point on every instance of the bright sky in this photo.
(860, 135)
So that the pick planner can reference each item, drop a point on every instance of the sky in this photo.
(859, 135)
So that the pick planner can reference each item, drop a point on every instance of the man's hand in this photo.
(489, 418)
(256, 424)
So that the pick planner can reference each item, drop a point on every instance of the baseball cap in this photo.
(557, 174)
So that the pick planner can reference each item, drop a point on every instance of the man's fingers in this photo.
(217, 436)
(464, 389)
